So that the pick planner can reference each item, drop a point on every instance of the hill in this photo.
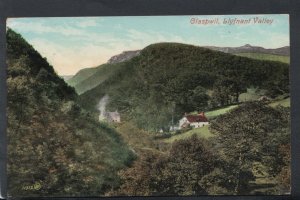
(67, 77)
(81, 81)
(81, 75)
(90, 78)
(169, 79)
(53, 143)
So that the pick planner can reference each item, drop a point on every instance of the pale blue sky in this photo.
(73, 43)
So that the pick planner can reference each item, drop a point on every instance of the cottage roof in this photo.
(196, 118)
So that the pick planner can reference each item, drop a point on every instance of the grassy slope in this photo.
(217, 112)
(262, 56)
(134, 137)
(202, 132)
(283, 102)
(81, 75)
(252, 94)
(99, 75)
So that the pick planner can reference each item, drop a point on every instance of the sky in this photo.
(74, 43)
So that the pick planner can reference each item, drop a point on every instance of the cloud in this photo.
(149, 37)
(68, 60)
(274, 39)
(71, 44)
(41, 28)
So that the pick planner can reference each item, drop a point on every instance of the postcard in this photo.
(148, 105)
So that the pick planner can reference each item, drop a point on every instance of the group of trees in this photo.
(250, 134)
(54, 146)
(176, 172)
(226, 91)
(168, 79)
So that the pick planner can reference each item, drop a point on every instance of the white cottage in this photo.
(194, 121)
(113, 117)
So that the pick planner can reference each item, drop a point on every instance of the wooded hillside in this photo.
(54, 146)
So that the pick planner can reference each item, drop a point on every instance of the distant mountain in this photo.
(67, 77)
(81, 75)
(124, 56)
(89, 78)
(247, 48)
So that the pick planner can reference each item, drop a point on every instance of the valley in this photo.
(171, 119)
(146, 129)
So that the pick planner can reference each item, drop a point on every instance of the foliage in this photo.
(59, 148)
(136, 138)
(251, 133)
(178, 172)
(227, 91)
(169, 79)
(52, 142)
(284, 176)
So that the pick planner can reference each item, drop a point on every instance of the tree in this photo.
(179, 172)
(227, 91)
(242, 134)
(198, 99)
(188, 161)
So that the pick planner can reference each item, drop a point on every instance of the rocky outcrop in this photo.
(124, 56)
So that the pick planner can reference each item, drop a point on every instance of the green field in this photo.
(283, 102)
(215, 113)
(262, 56)
(202, 132)
(252, 94)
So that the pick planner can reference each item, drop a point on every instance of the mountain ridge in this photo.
(80, 80)
(247, 48)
